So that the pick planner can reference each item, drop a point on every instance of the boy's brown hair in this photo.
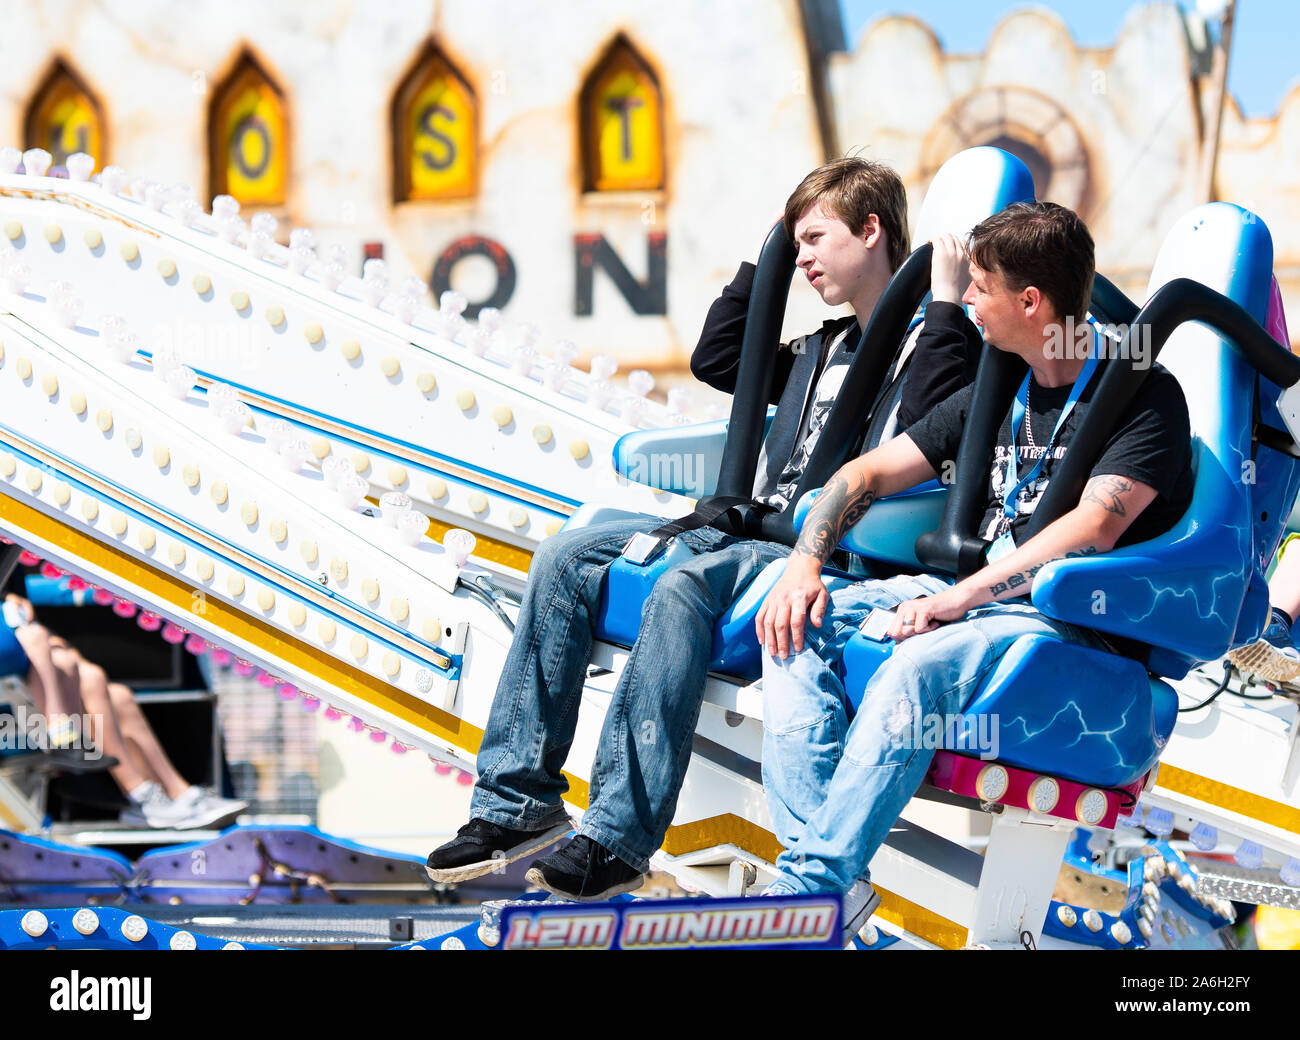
(852, 189)
(1039, 244)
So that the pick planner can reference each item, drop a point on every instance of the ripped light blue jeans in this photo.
(835, 787)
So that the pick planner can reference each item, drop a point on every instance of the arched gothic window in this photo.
(621, 122)
(435, 131)
(248, 136)
(65, 117)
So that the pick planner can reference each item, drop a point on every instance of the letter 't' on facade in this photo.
(248, 136)
(435, 130)
(620, 121)
(64, 117)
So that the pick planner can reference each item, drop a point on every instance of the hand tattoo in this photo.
(1106, 492)
(841, 505)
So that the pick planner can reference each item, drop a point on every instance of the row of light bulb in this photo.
(134, 928)
(516, 346)
(1248, 854)
(397, 509)
(234, 415)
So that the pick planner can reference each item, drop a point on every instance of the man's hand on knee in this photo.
(799, 597)
(925, 614)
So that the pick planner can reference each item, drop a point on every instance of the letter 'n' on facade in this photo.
(621, 125)
(65, 117)
(435, 130)
(248, 136)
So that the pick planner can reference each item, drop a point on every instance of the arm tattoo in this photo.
(839, 507)
(1014, 581)
(1107, 492)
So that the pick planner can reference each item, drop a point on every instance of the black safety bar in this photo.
(955, 546)
(9, 555)
(758, 348)
(876, 350)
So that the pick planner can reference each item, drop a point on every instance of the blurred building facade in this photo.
(599, 169)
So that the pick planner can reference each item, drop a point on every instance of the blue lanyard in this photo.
(1018, 418)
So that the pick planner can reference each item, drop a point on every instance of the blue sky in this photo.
(1264, 56)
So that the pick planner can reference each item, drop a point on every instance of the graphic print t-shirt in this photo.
(1151, 444)
(816, 411)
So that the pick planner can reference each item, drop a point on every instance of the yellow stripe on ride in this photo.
(1233, 799)
(273, 644)
(917, 920)
(9, 819)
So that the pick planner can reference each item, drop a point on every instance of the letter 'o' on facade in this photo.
(248, 136)
(64, 117)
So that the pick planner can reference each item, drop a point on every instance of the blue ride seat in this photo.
(1188, 595)
(1106, 732)
(969, 187)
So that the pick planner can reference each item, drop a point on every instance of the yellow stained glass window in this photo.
(65, 118)
(248, 137)
(622, 123)
(435, 116)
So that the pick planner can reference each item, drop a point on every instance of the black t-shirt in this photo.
(1151, 444)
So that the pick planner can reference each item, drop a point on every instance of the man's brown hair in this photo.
(1039, 244)
(852, 189)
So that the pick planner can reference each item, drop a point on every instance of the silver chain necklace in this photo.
(1029, 409)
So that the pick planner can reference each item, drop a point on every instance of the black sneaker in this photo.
(481, 847)
(584, 870)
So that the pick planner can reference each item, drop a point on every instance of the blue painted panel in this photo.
(1182, 591)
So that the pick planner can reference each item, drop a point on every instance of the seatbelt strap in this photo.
(642, 548)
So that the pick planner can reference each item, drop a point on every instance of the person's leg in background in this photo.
(159, 796)
(53, 696)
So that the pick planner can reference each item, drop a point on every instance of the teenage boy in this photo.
(849, 219)
(836, 787)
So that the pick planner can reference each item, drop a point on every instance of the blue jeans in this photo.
(645, 745)
(835, 787)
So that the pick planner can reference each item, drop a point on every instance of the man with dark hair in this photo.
(835, 788)
(849, 220)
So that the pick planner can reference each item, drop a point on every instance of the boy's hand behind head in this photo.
(949, 269)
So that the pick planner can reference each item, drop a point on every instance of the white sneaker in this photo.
(208, 811)
(860, 903)
(150, 807)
